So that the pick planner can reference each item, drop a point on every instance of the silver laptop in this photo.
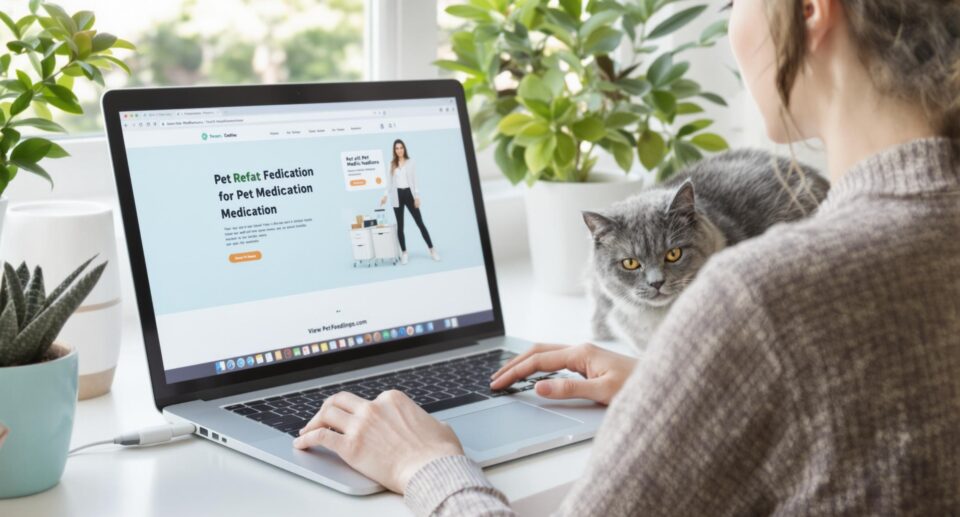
(279, 257)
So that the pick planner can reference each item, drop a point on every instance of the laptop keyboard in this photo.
(434, 387)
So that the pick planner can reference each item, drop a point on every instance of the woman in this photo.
(402, 192)
(813, 370)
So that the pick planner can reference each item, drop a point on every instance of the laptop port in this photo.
(203, 431)
(216, 436)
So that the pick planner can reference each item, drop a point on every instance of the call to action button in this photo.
(246, 256)
(358, 183)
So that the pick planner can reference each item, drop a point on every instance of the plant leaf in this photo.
(66, 282)
(21, 103)
(102, 41)
(539, 155)
(39, 123)
(714, 98)
(511, 164)
(589, 128)
(693, 127)
(513, 123)
(35, 295)
(35, 339)
(676, 21)
(602, 41)
(623, 154)
(10, 24)
(710, 142)
(9, 329)
(34, 168)
(533, 87)
(566, 149)
(651, 149)
(14, 290)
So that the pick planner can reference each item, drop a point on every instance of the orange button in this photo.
(246, 256)
(357, 183)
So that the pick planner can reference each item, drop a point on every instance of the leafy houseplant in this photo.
(30, 319)
(553, 94)
(37, 377)
(56, 48)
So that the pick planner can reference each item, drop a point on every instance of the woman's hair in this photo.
(395, 162)
(910, 47)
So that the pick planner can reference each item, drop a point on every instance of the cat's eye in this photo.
(630, 264)
(674, 255)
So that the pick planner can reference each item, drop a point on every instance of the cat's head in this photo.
(648, 248)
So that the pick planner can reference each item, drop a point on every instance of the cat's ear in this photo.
(598, 224)
(684, 201)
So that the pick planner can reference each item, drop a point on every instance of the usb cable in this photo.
(146, 436)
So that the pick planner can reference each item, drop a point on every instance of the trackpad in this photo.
(502, 425)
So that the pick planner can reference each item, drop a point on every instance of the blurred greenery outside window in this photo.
(207, 42)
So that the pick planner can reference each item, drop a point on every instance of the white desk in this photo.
(194, 477)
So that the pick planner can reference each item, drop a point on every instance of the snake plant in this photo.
(29, 318)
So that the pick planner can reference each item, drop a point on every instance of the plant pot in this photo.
(37, 409)
(559, 239)
(73, 231)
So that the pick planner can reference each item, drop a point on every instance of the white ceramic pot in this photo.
(559, 239)
(58, 236)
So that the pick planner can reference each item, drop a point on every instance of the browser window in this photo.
(274, 233)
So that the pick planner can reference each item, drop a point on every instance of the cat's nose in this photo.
(656, 285)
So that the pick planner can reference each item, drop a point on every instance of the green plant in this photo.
(552, 94)
(59, 48)
(29, 318)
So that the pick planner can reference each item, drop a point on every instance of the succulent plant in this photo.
(29, 318)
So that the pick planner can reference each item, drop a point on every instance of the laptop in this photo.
(264, 230)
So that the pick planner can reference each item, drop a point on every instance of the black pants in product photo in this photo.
(405, 197)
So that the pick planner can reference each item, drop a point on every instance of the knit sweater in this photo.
(814, 370)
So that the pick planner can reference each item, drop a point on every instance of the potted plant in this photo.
(550, 96)
(38, 378)
(45, 54)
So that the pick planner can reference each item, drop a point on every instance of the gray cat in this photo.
(648, 248)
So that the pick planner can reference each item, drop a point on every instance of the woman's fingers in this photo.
(550, 361)
(535, 349)
(592, 389)
(329, 416)
(322, 437)
(345, 401)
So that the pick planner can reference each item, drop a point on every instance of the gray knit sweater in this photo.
(814, 370)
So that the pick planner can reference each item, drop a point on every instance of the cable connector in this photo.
(146, 436)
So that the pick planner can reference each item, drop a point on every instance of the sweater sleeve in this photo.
(686, 435)
(690, 431)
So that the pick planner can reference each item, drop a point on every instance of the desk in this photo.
(195, 477)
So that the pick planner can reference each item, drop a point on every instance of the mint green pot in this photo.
(37, 404)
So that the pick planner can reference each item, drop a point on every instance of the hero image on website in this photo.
(271, 233)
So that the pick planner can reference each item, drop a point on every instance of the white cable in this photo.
(146, 436)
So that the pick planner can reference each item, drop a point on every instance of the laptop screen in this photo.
(279, 233)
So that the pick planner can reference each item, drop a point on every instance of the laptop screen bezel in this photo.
(215, 386)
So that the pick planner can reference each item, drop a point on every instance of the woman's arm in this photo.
(686, 434)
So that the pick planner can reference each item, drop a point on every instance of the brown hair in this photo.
(395, 162)
(910, 47)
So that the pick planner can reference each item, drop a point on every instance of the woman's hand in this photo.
(388, 439)
(605, 371)
(383, 200)
(416, 203)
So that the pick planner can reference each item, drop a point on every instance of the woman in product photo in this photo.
(402, 193)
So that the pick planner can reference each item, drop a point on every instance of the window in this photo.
(198, 42)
